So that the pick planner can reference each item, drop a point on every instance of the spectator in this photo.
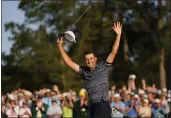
(12, 109)
(47, 99)
(164, 102)
(24, 111)
(132, 106)
(55, 96)
(80, 109)
(157, 110)
(141, 94)
(164, 91)
(126, 96)
(54, 111)
(28, 95)
(163, 99)
(118, 107)
(73, 95)
(67, 106)
(145, 110)
(38, 108)
(151, 97)
(20, 99)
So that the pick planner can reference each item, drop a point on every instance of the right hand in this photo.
(143, 81)
(55, 87)
(60, 41)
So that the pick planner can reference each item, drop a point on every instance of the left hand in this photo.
(118, 107)
(117, 27)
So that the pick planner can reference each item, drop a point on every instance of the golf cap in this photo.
(48, 91)
(157, 101)
(136, 96)
(70, 36)
(141, 92)
(164, 89)
(146, 101)
(158, 92)
(20, 94)
(132, 76)
(116, 95)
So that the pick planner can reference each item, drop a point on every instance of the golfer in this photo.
(95, 75)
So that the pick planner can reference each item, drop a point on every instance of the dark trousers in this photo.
(100, 110)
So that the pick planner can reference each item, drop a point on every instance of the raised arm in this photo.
(118, 29)
(65, 56)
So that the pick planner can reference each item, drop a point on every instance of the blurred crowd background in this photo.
(127, 101)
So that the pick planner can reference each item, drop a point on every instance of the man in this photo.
(157, 109)
(96, 76)
(118, 107)
(132, 106)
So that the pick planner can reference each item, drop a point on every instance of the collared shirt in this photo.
(54, 109)
(96, 81)
(116, 113)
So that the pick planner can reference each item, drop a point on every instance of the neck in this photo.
(93, 67)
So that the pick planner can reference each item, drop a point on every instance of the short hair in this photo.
(89, 52)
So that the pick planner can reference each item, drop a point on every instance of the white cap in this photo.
(132, 93)
(83, 90)
(146, 101)
(159, 92)
(116, 95)
(127, 92)
(48, 90)
(164, 89)
(132, 76)
(20, 94)
(11, 97)
(69, 35)
(28, 93)
(141, 92)
(136, 96)
(157, 101)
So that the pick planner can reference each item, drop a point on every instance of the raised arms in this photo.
(65, 56)
(118, 29)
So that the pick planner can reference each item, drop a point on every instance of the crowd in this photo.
(126, 101)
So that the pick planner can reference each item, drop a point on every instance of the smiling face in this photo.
(90, 60)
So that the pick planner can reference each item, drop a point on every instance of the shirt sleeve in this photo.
(109, 66)
(82, 70)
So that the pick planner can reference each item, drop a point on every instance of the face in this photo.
(82, 97)
(90, 60)
(12, 102)
(145, 104)
(54, 102)
(117, 99)
(24, 105)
